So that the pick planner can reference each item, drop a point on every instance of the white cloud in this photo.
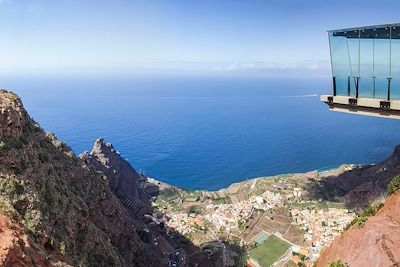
(271, 66)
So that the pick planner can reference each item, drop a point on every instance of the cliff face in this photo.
(377, 243)
(359, 187)
(63, 207)
(122, 178)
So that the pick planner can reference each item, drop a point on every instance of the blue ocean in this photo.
(207, 132)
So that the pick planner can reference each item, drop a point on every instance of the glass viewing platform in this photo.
(365, 65)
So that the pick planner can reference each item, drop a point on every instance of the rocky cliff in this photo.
(377, 243)
(123, 180)
(122, 177)
(359, 187)
(55, 208)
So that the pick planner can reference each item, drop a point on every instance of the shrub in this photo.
(194, 209)
(32, 221)
(63, 248)
(394, 185)
(222, 200)
(189, 236)
(7, 209)
(3, 145)
(11, 187)
(361, 219)
(337, 264)
(242, 225)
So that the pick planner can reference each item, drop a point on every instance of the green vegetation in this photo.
(63, 248)
(175, 207)
(269, 251)
(361, 219)
(222, 200)
(337, 264)
(192, 197)
(168, 194)
(259, 192)
(11, 187)
(32, 221)
(196, 209)
(242, 225)
(7, 209)
(394, 185)
(3, 145)
(189, 236)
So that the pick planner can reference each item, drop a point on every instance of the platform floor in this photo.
(363, 106)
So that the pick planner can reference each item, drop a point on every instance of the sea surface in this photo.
(207, 132)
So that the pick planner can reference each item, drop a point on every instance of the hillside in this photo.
(377, 243)
(358, 187)
(55, 208)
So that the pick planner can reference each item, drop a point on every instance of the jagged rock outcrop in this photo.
(124, 181)
(377, 243)
(64, 205)
(122, 177)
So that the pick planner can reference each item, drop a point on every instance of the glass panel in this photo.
(340, 62)
(382, 67)
(395, 86)
(366, 87)
(353, 47)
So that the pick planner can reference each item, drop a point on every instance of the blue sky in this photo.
(171, 36)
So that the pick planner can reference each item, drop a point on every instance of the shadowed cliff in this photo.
(126, 184)
(359, 187)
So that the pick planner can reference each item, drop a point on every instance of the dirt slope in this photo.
(377, 243)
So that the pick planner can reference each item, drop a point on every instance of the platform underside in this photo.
(363, 106)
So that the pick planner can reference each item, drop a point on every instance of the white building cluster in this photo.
(321, 226)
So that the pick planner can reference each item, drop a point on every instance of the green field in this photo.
(269, 251)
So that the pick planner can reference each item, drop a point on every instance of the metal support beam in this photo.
(389, 84)
(334, 86)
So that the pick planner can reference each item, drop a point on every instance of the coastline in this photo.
(321, 173)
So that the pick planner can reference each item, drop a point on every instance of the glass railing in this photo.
(368, 87)
(366, 62)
